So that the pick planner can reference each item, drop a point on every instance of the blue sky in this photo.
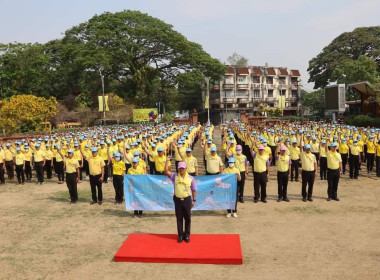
(279, 32)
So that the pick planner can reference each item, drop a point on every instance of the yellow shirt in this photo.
(159, 163)
(39, 155)
(118, 167)
(71, 165)
(213, 163)
(95, 165)
(322, 152)
(28, 155)
(179, 152)
(2, 156)
(343, 149)
(103, 153)
(8, 155)
(370, 147)
(48, 154)
(232, 170)
(20, 157)
(282, 163)
(314, 147)
(354, 150)
(294, 153)
(137, 171)
(260, 163)
(308, 160)
(77, 155)
(240, 161)
(378, 150)
(333, 160)
(182, 186)
(191, 163)
(58, 157)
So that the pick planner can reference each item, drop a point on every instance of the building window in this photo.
(228, 80)
(256, 79)
(242, 105)
(294, 93)
(293, 104)
(294, 80)
(282, 80)
(270, 92)
(256, 93)
(242, 80)
(271, 104)
(270, 80)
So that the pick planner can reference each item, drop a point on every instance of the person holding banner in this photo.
(136, 169)
(184, 189)
(231, 169)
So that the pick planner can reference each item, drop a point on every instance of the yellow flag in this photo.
(207, 105)
(100, 101)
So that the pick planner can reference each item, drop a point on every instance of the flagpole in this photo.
(208, 99)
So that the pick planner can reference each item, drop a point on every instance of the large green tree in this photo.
(344, 49)
(314, 102)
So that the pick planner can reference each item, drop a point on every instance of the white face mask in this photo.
(265, 144)
(355, 144)
(238, 152)
(179, 145)
(117, 158)
(231, 165)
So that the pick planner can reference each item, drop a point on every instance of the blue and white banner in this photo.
(155, 192)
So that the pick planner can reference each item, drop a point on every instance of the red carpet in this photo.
(163, 248)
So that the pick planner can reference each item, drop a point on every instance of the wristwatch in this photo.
(194, 200)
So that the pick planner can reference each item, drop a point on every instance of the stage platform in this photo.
(164, 248)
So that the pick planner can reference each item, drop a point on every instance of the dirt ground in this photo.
(43, 236)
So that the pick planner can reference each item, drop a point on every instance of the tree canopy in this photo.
(344, 51)
(237, 59)
(139, 56)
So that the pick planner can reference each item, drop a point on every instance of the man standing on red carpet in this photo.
(184, 188)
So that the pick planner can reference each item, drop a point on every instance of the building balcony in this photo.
(270, 86)
(257, 99)
(271, 99)
(243, 86)
(291, 99)
(229, 100)
(243, 100)
(294, 86)
(216, 87)
(228, 86)
(256, 85)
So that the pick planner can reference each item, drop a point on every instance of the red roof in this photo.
(283, 72)
(230, 70)
(243, 71)
(271, 72)
(295, 73)
(256, 71)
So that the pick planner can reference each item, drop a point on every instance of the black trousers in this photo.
(86, 167)
(95, 183)
(307, 179)
(323, 168)
(9, 166)
(151, 167)
(353, 161)
(80, 170)
(127, 166)
(28, 170)
(260, 181)
(159, 173)
(294, 169)
(273, 150)
(282, 184)
(370, 162)
(378, 166)
(333, 176)
(39, 167)
(48, 169)
(207, 173)
(183, 212)
(20, 173)
(236, 199)
(2, 179)
(106, 171)
(344, 162)
(59, 170)
(119, 187)
(316, 157)
(71, 182)
(240, 186)
(365, 148)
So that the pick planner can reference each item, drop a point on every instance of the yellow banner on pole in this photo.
(145, 115)
(281, 101)
(101, 104)
(207, 103)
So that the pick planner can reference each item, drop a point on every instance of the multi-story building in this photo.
(248, 87)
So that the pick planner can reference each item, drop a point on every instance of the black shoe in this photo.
(264, 201)
(92, 202)
(100, 202)
(356, 178)
(241, 200)
(351, 177)
(296, 180)
(310, 199)
(139, 215)
(279, 200)
(336, 199)
(291, 180)
(187, 239)
(329, 199)
(304, 199)
(255, 200)
(180, 238)
(286, 199)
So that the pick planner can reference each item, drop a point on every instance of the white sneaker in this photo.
(235, 215)
(228, 215)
